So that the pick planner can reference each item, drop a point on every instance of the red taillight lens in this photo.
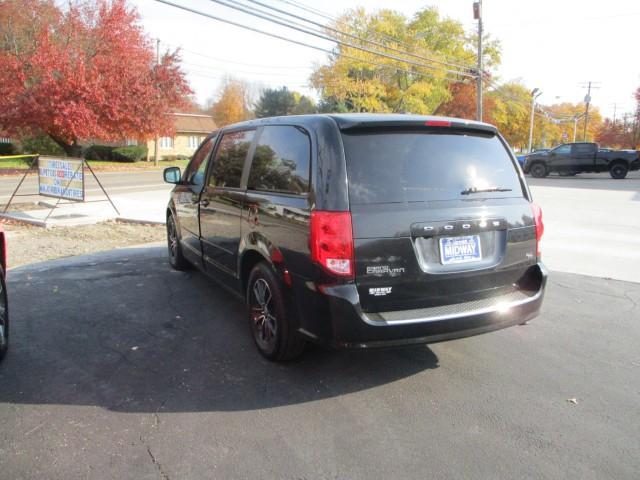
(332, 242)
(437, 123)
(537, 215)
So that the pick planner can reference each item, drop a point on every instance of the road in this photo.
(121, 368)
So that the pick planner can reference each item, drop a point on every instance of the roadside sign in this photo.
(61, 178)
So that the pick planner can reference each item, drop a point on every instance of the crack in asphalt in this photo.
(155, 461)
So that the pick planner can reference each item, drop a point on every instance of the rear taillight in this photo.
(537, 216)
(331, 239)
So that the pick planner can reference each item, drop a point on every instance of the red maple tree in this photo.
(463, 103)
(88, 72)
(622, 133)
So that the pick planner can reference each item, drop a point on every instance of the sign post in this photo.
(61, 178)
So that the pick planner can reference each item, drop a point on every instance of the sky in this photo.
(552, 45)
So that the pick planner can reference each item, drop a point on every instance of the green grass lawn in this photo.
(21, 163)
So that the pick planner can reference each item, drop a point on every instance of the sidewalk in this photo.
(141, 207)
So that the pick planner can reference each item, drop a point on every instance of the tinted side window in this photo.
(194, 173)
(281, 160)
(563, 150)
(229, 159)
(583, 149)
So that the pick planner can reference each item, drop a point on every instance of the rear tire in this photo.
(618, 171)
(4, 317)
(176, 258)
(538, 170)
(272, 327)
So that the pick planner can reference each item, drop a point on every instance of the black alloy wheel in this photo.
(538, 170)
(176, 259)
(272, 325)
(618, 171)
(265, 327)
(4, 317)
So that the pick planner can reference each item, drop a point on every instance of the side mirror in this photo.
(172, 175)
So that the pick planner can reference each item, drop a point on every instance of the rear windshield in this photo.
(412, 166)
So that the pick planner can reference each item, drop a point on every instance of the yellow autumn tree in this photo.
(232, 104)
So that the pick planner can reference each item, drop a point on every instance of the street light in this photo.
(535, 93)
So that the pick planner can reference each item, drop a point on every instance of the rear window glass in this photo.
(408, 166)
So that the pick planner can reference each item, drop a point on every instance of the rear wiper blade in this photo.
(471, 190)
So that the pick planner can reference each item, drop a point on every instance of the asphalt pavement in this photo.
(122, 368)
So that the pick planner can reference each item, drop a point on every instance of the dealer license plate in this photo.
(460, 249)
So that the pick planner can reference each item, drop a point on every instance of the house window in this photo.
(5, 140)
(166, 142)
(194, 142)
(131, 142)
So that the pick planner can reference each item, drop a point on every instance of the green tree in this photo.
(304, 105)
(275, 102)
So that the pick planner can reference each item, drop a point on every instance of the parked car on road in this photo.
(4, 305)
(583, 157)
(361, 230)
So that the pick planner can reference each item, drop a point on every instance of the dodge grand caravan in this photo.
(361, 230)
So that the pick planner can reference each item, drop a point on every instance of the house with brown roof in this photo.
(190, 130)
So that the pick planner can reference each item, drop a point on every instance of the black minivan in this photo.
(361, 230)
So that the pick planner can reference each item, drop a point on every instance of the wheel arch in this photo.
(615, 161)
(249, 259)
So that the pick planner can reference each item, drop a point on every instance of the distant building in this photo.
(190, 131)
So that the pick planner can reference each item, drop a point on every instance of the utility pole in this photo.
(155, 146)
(587, 100)
(615, 108)
(575, 127)
(535, 93)
(477, 15)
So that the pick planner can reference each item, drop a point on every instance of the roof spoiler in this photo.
(434, 124)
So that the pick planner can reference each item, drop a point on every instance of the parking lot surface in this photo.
(592, 224)
(122, 368)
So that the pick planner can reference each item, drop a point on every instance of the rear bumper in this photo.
(343, 323)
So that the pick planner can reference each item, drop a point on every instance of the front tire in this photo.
(4, 317)
(272, 327)
(618, 171)
(176, 258)
(538, 170)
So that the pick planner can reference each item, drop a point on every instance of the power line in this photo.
(304, 44)
(277, 67)
(371, 42)
(274, 19)
(198, 65)
(327, 16)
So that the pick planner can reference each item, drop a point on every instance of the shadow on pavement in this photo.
(122, 331)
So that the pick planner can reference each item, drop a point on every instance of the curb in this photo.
(139, 221)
